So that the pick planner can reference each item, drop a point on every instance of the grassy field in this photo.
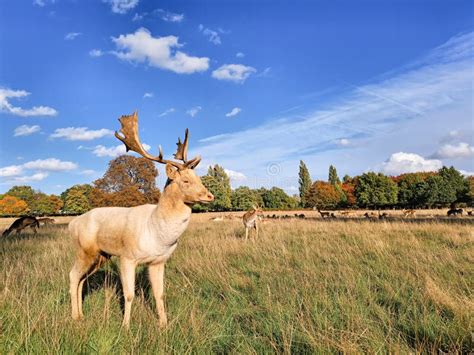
(303, 287)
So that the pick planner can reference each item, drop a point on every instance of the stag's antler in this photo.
(132, 142)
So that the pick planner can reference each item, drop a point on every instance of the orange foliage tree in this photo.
(323, 195)
(12, 206)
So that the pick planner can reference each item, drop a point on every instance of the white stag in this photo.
(145, 234)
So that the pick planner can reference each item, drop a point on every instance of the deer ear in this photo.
(193, 163)
(171, 172)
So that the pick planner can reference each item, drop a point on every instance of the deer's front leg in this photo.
(156, 274)
(127, 275)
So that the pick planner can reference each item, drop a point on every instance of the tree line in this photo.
(131, 181)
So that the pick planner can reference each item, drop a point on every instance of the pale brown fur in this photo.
(407, 213)
(251, 220)
(145, 234)
(46, 220)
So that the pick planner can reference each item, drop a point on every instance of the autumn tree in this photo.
(323, 195)
(23, 192)
(12, 206)
(128, 181)
(305, 183)
(77, 199)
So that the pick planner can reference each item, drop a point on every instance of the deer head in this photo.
(179, 173)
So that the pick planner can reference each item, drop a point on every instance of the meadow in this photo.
(305, 286)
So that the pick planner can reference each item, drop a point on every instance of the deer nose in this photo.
(210, 197)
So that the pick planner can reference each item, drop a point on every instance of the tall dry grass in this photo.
(303, 287)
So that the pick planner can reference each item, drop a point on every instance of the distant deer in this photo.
(383, 215)
(217, 219)
(346, 213)
(22, 223)
(145, 234)
(324, 214)
(455, 212)
(408, 213)
(46, 220)
(370, 215)
(251, 219)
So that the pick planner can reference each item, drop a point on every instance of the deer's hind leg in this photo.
(78, 274)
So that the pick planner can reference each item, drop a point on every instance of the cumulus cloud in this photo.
(96, 53)
(148, 95)
(121, 6)
(167, 112)
(237, 73)
(194, 111)
(455, 151)
(158, 52)
(400, 163)
(80, 133)
(7, 107)
(50, 164)
(25, 130)
(234, 112)
(72, 36)
(12, 170)
(18, 173)
(235, 175)
(113, 152)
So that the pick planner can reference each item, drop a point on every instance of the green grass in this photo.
(303, 287)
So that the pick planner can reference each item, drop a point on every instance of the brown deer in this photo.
(251, 219)
(46, 220)
(22, 223)
(146, 234)
(408, 213)
(324, 214)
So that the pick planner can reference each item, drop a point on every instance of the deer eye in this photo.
(186, 181)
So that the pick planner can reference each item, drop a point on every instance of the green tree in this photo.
(44, 204)
(375, 190)
(77, 199)
(243, 198)
(333, 179)
(455, 181)
(411, 190)
(305, 183)
(218, 183)
(276, 198)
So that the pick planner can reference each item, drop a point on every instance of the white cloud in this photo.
(96, 53)
(158, 52)
(113, 152)
(167, 112)
(29, 178)
(88, 172)
(235, 175)
(42, 3)
(148, 95)
(72, 36)
(139, 17)
(234, 112)
(212, 36)
(454, 151)
(50, 164)
(343, 142)
(466, 173)
(121, 6)
(169, 16)
(80, 133)
(237, 73)
(194, 111)
(401, 163)
(25, 130)
(12, 170)
(395, 102)
(240, 55)
(6, 106)
(265, 73)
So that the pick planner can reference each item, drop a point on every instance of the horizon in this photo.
(260, 86)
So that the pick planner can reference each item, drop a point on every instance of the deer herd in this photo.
(147, 234)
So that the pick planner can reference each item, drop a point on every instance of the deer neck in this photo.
(171, 205)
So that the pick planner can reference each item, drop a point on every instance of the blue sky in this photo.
(366, 85)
